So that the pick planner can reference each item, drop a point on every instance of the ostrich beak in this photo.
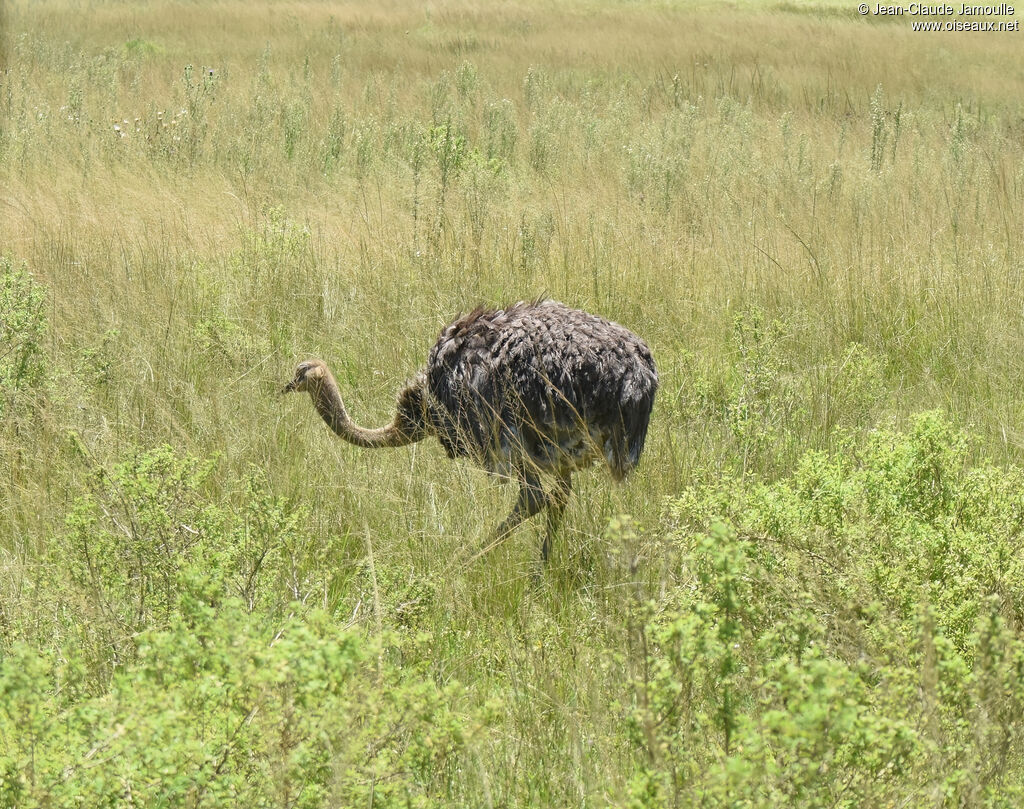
(297, 383)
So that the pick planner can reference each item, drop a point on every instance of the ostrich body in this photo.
(535, 390)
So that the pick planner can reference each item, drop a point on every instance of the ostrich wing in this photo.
(541, 383)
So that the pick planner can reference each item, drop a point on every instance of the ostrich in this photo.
(536, 389)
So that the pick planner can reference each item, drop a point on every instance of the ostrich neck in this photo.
(328, 403)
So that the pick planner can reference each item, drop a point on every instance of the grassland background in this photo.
(813, 218)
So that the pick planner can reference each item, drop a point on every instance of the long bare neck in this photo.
(327, 400)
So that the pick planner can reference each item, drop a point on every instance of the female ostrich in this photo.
(534, 389)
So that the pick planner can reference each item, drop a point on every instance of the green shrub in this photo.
(848, 636)
(23, 325)
(222, 708)
(169, 656)
(149, 533)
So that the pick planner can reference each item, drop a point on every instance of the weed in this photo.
(23, 324)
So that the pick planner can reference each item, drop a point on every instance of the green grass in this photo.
(812, 217)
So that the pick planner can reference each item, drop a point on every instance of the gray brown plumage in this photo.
(536, 389)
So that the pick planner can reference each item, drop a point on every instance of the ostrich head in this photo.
(308, 375)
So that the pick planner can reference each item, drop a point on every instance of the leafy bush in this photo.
(175, 660)
(849, 636)
(148, 534)
(221, 708)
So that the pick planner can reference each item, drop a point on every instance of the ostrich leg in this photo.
(556, 503)
(531, 500)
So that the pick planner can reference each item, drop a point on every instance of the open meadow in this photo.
(809, 594)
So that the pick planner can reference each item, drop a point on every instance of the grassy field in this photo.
(810, 594)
